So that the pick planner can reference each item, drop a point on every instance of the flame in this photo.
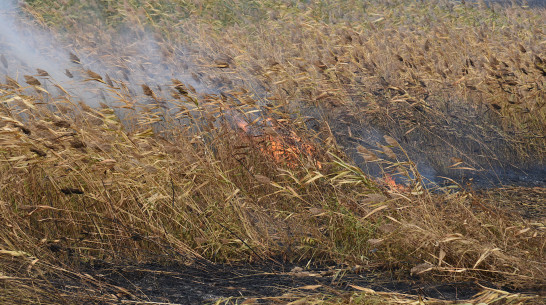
(283, 149)
(392, 185)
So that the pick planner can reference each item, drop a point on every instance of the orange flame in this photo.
(392, 185)
(282, 149)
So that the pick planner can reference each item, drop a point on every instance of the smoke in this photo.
(129, 58)
(25, 49)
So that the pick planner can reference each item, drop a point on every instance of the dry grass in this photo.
(370, 297)
(467, 86)
(133, 181)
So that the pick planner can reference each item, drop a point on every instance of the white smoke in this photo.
(133, 59)
(25, 48)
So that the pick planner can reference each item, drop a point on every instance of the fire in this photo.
(283, 148)
(392, 185)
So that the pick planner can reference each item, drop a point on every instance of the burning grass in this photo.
(79, 187)
(167, 172)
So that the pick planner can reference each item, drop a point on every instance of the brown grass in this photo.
(133, 181)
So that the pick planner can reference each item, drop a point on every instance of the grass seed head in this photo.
(147, 90)
(12, 82)
(42, 73)
(31, 80)
(367, 154)
(74, 58)
(93, 75)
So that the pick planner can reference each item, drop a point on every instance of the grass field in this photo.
(258, 132)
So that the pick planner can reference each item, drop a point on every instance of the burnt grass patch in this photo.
(203, 282)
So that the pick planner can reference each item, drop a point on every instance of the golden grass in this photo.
(454, 76)
(134, 182)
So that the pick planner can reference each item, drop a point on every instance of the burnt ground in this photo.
(202, 283)
(528, 202)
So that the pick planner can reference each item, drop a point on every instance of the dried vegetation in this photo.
(167, 173)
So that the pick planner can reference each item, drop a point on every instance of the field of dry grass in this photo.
(182, 132)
